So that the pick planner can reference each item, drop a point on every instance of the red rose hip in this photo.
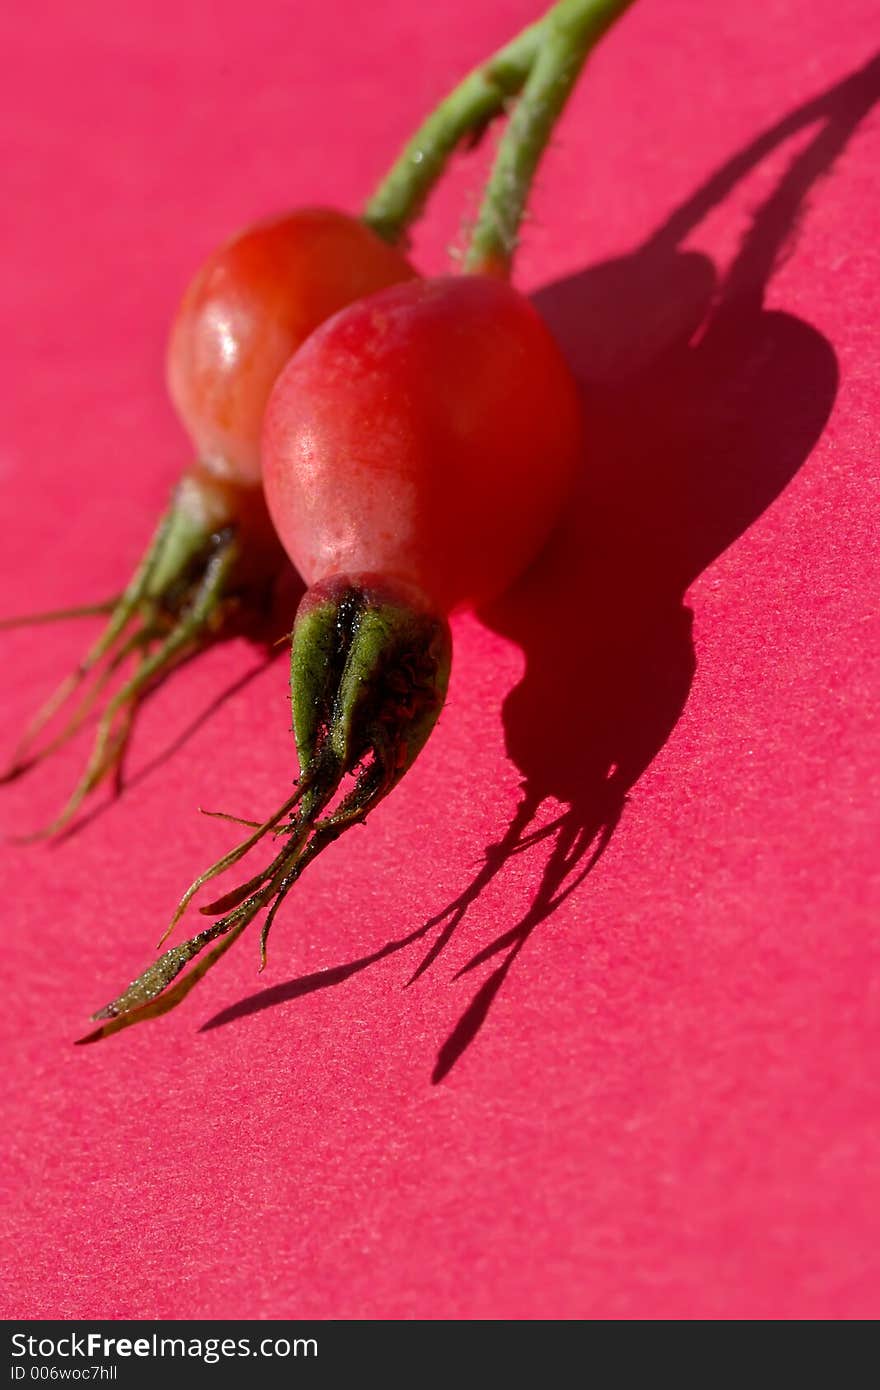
(247, 310)
(416, 452)
(428, 433)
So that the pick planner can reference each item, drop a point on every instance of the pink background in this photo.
(665, 1103)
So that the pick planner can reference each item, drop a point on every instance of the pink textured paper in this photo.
(639, 1076)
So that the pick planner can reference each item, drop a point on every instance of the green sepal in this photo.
(369, 669)
(393, 686)
(184, 539)
(312, 667)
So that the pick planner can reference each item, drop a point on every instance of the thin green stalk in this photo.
(60, 615)
(568, 34)
(482, 95)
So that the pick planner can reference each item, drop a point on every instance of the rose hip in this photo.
(417, 450)
(215, 555)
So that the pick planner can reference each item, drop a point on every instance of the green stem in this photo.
(482, 95)
(568, 33)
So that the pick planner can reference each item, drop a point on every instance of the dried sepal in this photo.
(171, 997)
(370, 666)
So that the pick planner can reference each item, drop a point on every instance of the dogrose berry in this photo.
(428, 433)
(248, 308)
(417, 451)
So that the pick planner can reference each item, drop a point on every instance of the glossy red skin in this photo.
(248, 309)
(429, 433)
